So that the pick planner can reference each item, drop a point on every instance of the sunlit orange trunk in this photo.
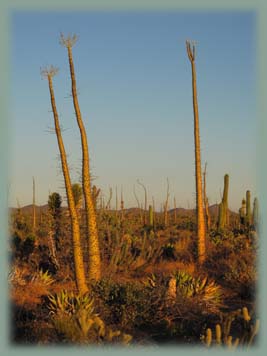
(78, 258)
(201, 231)
(92, 232)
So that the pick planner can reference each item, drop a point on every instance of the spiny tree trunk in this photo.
(78, 258)
(206, 201)
(138, 205)
(175, 211)
(201, 231)
(91, 225)
(166, 204)
(122, 206)
(145, 208)
(33, 206)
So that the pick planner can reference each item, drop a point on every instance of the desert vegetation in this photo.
(88, 273)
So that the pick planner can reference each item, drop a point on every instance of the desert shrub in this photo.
(45, 261)
(186, 223)
(168, 252)
(130, 305)
(25, 247)
(185, 249)
(146, 311)
(241, 275)
(17, 276)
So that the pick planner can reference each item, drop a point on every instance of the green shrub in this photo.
(128, 304)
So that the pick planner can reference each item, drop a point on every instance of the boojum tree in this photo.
(201, 231)
(206, 201)
(33, 206)
(94, 260)
(49, 73)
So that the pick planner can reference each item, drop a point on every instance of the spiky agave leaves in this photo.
(209, 292)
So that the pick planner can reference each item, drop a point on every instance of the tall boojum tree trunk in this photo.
(91, 225)
(75, 229)
(145, 207)
(33, 206)
(206, 201)
(201, 231)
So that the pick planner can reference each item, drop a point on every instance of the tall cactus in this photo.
(223, 212)
(242, 212)
(201, 230)
(248, 209)
(256, 213)
(91, 225)
(49, 73)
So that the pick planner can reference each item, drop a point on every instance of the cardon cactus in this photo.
(248, 209)
(242, 212)
(223, 212)
(255, 216)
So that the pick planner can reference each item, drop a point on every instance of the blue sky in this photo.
(134, 83)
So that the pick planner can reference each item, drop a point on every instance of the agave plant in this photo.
(189, 286)
(70, 303)
(74, 317)
(44, 277)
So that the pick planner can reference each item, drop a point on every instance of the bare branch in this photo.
(49, 72)
(68, 41)
(191, 52)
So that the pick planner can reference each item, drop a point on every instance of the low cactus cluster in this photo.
(222, 336)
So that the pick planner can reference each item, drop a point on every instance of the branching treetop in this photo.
(49, 72)
(68, 41)
(191, 52)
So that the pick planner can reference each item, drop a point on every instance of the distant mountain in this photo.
(27, 209)
(213, 209)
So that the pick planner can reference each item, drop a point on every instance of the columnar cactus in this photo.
(223, 212)
(256, 213)
(201, 229)
(248, 209)
(242, 212)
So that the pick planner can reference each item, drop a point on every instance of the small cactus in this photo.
(222, 333)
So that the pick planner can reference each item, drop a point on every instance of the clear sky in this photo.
(134, 82)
